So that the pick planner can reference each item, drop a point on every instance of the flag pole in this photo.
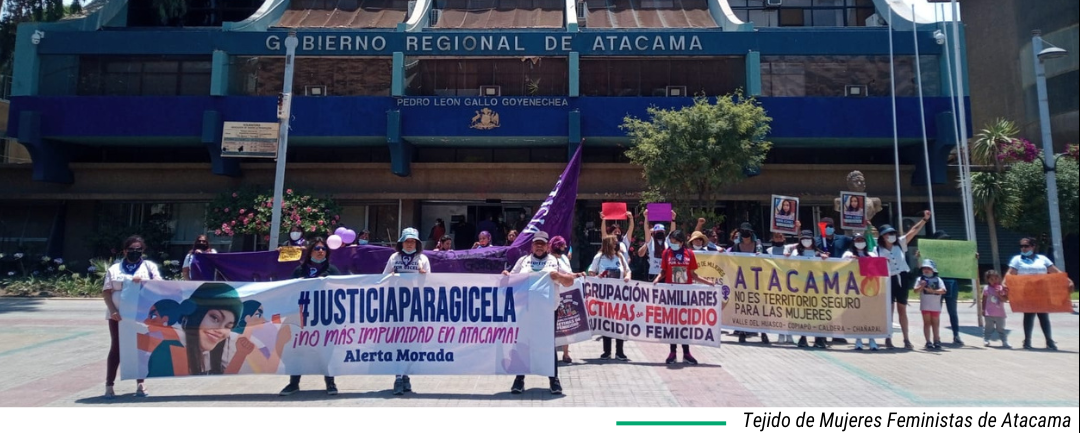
(922, 122)
(896, 136)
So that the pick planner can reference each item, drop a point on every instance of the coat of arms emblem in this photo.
(485, 119)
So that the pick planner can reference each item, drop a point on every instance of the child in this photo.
(930, 288)
(994, 297)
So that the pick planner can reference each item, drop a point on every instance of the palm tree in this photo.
(988, 189)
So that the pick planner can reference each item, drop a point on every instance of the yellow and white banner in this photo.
(799, 296)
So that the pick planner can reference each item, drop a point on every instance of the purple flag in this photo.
(556, 213)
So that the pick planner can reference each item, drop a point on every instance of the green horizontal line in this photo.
(669, 423)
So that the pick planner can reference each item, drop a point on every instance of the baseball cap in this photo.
(540, 237)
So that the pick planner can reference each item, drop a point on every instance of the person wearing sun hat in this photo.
(894, 250)
(930, 289)
(860, 248)
(700, 242)
(409, 259)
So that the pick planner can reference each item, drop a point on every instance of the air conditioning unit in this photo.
(412, 5)
(774, 3)
(910, 222)
(675, 91)
(433, 17)
(855, 90)
(314, 90)
(582, 12)
(490, 90)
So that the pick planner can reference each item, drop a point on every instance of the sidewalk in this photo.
(53, 353)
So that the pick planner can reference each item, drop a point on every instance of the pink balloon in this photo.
(348, 237)
(340, 231)
(334, 242)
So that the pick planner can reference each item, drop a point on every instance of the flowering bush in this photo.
(1072, 152)
(250, 211)
(1017, 150)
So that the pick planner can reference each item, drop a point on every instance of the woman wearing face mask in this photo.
(1030, 263)
(777, 249)
(202, 245)
(134, 269)
(679, 266)
(698, 242)
(214, 310)
(859, 249)
(561, 251)
(655, 245)
(610, 262)
(316, 264)
(747, 242)
(805, 249)
(296, 238)
(894, 249)
(408, 260)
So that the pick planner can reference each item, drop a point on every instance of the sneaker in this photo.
(888, 344)
(109, 393)
(689, 359)
(555, 385)
(289, 389)
(820, 344)
(1027, 345)
(937, 345)
(764, 338)
(1005, 345)
(802, 342)
(605, 355)
(331, 389)
(873, 345)
(986, 343)
(408, 384)
(670, 358)
(929, 346)
(519, 385)
(621, 357)
(742, 338)
(399, 386)
(839, 341)
(140, 391)
(1051, 346)
(956, 341)
(858, 345)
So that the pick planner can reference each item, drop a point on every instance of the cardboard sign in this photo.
(290, 254)
(1041, 293)
(954, 259)
(613, 211)
(785, 212)
(659, 212)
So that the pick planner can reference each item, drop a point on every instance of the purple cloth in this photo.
(555, 215)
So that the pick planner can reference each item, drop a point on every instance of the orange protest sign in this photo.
(1044, 293)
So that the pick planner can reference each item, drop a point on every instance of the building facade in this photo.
(408, 111)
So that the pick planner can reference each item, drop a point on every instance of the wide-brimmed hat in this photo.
(409, 233)
(929, 264)
(885, 229)
(698, 235)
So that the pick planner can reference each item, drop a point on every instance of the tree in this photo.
(75, 8)
(689, 155)
(1028, 184)
(988, 187)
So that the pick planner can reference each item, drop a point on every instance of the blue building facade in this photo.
(402, 90)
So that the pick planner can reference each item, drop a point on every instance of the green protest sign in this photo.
(955, 259)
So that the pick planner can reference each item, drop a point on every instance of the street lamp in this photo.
(1040, 54)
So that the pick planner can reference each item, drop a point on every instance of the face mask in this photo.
(559, 251)
(890, 239)
(860, 245)
(676, 246)
(928, 274)
(134, 256)
(408, 250)
(362, 242)
(829, 231)
(746, 233)
(314, 260)
(1027, 253)
(807, 242)
(697, 248)
(202, 247)
(295, 235)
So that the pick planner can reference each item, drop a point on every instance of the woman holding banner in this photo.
(610, 263)
(407, 260)
(1030, 263)
(679, 266)
(805, 248)
(316, 264)
(561, 251)
(132, 268)
(895, 251)
(859, 249)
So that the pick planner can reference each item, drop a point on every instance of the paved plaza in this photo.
(53, 351)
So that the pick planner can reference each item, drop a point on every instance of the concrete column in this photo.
(753, 73)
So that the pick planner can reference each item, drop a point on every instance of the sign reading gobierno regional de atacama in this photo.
(811, 296)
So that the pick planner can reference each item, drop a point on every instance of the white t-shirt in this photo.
(850, 255)
(529, 263)
(405, 264)
(896, 256)
(654, 262)
(1037, 264)
(614, 267)
(929, 301)
(115, 278)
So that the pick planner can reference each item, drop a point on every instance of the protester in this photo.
(132, 268)
(438, 230)
(511, 236)
(700, 242)
(316, 264)
(994, 297)
(894, 250)
(202, 245)
(491, 227)
(483, 240)
(830, 242)
(805, 248)
(446, 243)
(296, 238)
(930, 289)
(952, 292)
(858, 249)
(561, 251)
(610, 262)
(679, 266)
(1030, 263)
(363, 238)
(212, 312)
(613, 228)
(746, 242)
(407, 260)
(656, 243)
(777, 249)
(542, 261)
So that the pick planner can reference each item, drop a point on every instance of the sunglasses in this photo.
(319, 249)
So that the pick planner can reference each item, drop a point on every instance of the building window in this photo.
(526, 76)
(144, 76)
(651, 77)
(800, 13)
(264, 76)
(381, 219)
(830, 75)
(190, 13)
(25, 227)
